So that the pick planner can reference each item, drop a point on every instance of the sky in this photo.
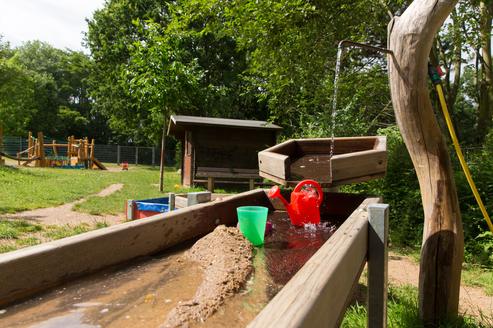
(61, 23)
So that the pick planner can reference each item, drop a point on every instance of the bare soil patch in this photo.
(473, 300)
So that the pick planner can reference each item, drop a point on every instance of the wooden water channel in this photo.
(318, 293)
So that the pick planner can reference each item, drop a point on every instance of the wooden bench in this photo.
(213, 173)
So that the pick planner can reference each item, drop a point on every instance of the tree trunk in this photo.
(486, 74)
(411, 38)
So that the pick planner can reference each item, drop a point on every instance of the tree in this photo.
(410, 38)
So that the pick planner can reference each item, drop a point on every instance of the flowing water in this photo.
(144, 292)
(340, 54)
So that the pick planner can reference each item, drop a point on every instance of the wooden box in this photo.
(355, 159)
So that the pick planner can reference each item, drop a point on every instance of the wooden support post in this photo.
(210, 184)
(30, 145)
(171, 201)
(251, 184)
(41, 150)
(378, 230)
(410, 38)
(136, 155)
(86, 148)
(153, 156)
(54, 147)
(118, 154)
(2, 161)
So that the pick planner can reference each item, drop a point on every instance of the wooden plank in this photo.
(226, 169)
(201, 174)
(353, 165)
(181, 201)
(33, 269)
(273, 178)
(274, 164)
(317, 295)
(378, 219)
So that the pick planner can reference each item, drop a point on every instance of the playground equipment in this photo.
(76, 153)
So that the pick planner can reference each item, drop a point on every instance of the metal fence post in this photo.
(136, 155)
(118, 154)
(378, 229)
(153, 156)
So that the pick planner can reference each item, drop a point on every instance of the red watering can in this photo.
(305, 202)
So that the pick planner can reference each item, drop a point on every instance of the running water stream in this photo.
(340, 54)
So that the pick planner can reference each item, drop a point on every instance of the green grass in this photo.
(13, 229)
(31, 188)
(139, 183)
(402, 311)
(59, 232)
(473, 275)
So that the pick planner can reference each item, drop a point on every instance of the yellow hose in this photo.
(460, 155)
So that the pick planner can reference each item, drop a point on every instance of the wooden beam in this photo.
(319, 293)
(378, 232)
(410, 38)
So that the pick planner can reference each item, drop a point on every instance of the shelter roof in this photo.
(179, 123)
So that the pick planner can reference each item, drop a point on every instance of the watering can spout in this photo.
(275, 192)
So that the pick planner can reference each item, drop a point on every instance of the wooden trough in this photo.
(355, 159)
(316, 296)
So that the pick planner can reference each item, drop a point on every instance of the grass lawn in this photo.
(402, 311)
(31, 188)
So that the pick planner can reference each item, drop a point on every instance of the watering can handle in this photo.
(314, 183)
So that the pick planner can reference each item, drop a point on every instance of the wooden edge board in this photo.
(33, 269)
(274, 164)
(317, 295)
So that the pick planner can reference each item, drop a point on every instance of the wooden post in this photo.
(86, 148)
(410, 37)
(91, 160)
(378, 230)
(30, 145)
(153, 156)
(163, 158)
(251, 184)
(210, 184)
(41, 149)
(136, 155)
(2, 162)
(118, 154)
(53, 145)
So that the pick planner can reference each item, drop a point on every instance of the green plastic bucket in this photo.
(252, 221)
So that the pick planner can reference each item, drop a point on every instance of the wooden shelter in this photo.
(220, 149)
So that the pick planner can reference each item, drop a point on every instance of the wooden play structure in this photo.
(354, 159)
(76, 153)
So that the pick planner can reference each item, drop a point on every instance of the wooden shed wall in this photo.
(230, 147)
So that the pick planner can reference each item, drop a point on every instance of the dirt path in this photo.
(473, 300)
(64, 214)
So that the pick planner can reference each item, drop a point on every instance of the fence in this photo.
(104, 153)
